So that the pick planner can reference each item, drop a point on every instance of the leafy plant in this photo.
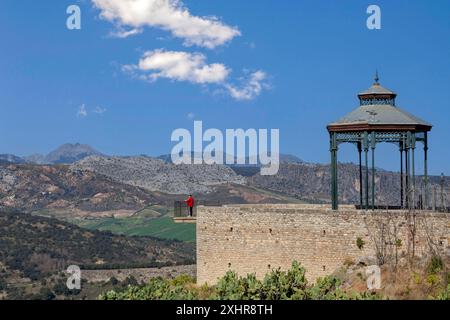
(432, 279)
(445, 294)
(435, 265)
(276, 285)
(360, 243)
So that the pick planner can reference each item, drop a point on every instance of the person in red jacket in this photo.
(190, 203)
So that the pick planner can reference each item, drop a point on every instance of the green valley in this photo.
(142, 225)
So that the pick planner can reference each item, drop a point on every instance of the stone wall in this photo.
(140, 274)
(258, 238)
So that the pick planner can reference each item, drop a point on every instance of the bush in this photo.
(435, 265)
(445, 294)
(155, 289)
(276, 285)
(360, 243)
(432, 279)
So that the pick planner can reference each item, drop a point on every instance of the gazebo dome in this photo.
(376, 93)
(377, 112)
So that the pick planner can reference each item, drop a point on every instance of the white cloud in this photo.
(179, 66)
(122, 33)
(82, 112)
(251, 88)
(99, 110)
(192, 67)
(169, 15)
(191, 116)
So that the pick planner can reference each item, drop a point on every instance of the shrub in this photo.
(445, 294)
(183, 280)
(155, 289)
(435, 265)
(276, 285)
(327, 289)
(432, 279)
(360, 243)
(417, 278)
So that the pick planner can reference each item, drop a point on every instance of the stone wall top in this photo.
(309, 208)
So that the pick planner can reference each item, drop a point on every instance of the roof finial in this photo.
(377, 78)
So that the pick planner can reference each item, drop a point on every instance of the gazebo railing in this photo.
(434, 198)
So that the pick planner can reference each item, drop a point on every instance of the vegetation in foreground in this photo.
(431, 282)
(276, 285)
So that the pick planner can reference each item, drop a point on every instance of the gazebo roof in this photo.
(377, 112)
(375, 89)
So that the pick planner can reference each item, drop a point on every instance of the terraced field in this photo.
(142, 225)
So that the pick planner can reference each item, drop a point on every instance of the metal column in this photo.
(408, 166)
(334, 173)
(366, 150)
(401, 174)
(360, 176)
(425, 170)
(413, 189)
(373, 144)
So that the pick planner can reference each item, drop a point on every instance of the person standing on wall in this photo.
(190, 203)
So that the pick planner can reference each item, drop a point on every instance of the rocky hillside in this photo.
(34, 249)
(311, 182)
(158, 175)
(55, 242)
(284, 158)
(101, 184)
(33, 187)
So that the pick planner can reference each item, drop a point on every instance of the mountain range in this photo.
(64, 154)
(93, 182)
(72, 152)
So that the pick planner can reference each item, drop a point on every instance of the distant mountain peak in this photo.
(70, 153)
(10, 158)
(67, 153)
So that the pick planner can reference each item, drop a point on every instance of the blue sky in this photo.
(315, 57)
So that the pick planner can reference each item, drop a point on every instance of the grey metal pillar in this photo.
(366, 150)
(373, 144)
(401, 174)
(360, 176)
(334, 173)
(425, 170)
(413, 148)
(408, 168)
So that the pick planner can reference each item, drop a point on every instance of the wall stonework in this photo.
(258, 238)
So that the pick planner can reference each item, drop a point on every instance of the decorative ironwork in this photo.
(376, 101)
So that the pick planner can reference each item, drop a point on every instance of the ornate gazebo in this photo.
(378, 119)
